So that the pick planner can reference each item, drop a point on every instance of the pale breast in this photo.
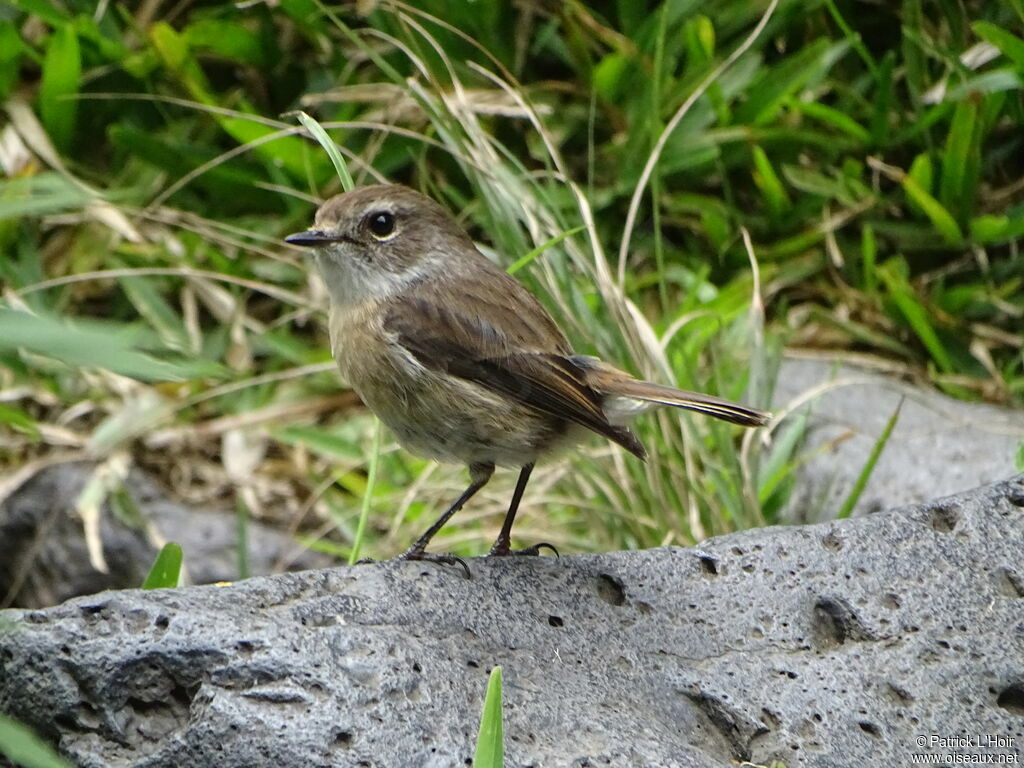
(433, 414)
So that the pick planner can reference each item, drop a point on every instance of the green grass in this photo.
(166, 570)
(490, 742)
(22, 746)
(686, 193)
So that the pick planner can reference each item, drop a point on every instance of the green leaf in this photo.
(230, 184)
(20, 745)
(525, 259)
(716, 228)
(990, 230)
(699, 39)
(325, 141)
(227, 39)
(869, 253)
(287, 152)
(94, 344)
(305, 14)
(18, 420)
(865, 473)
(780, 462)
(40, 195)
(940, 218)
(922, 171)
(631, 14)
(608, 76)
(914, 58)
(1018, 460)
(112, 49)
(817, 183)
(996, 81)
(960, 161)
(62, 71)
(882, 101)
(902, 295)
(176, 56)
(152, 306)
(371, 482)
(766, 180)
(490, 743)
(166, 570)
(834, 117)
(1008, 43)
(242, 517)
(11, 49)
(775, 84)
(319, 439)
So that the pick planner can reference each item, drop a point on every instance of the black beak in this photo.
(312, 237)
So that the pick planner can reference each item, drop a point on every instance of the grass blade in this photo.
(940, 218)
(1008, 43)
(883, 99)
(62, 70)
(242, 537)
(869, 255)
(522, 261)
(371, 481)
(166, 570)
(20, 745)
(11, 50)
(915, 314)
(317, 132)
(834, 117)
(151, 304)
(869, 466)
(18, 420)
(960, 161)
(40, 195)
(113, 346)
(768, 181)
(490, 743)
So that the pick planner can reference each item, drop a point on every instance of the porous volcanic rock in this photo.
(856, 642)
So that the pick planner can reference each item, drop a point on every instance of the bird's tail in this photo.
(613, 383)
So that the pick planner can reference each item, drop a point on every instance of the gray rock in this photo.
(939, 446)
(839, 644)
(43, 555)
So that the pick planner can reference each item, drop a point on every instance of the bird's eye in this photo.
(382, 224)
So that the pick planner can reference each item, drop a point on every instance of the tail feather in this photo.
(691, 401)
(611, 382)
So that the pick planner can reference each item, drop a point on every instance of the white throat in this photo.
(351, 281)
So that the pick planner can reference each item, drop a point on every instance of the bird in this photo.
(458, 359)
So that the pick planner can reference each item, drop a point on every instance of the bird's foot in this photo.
(431, 557)
(503, 549)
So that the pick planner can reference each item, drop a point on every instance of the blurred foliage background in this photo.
(151, 316)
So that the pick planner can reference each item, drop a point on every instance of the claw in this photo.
(432, 557)
(536, 548)
(532, 551)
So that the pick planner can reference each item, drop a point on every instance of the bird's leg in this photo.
(503, 544)
(479, 474)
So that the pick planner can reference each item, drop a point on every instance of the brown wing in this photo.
(506, 348)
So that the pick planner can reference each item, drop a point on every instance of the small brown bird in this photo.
(456, 357)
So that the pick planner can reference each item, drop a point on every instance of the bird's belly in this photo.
(439, 416)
